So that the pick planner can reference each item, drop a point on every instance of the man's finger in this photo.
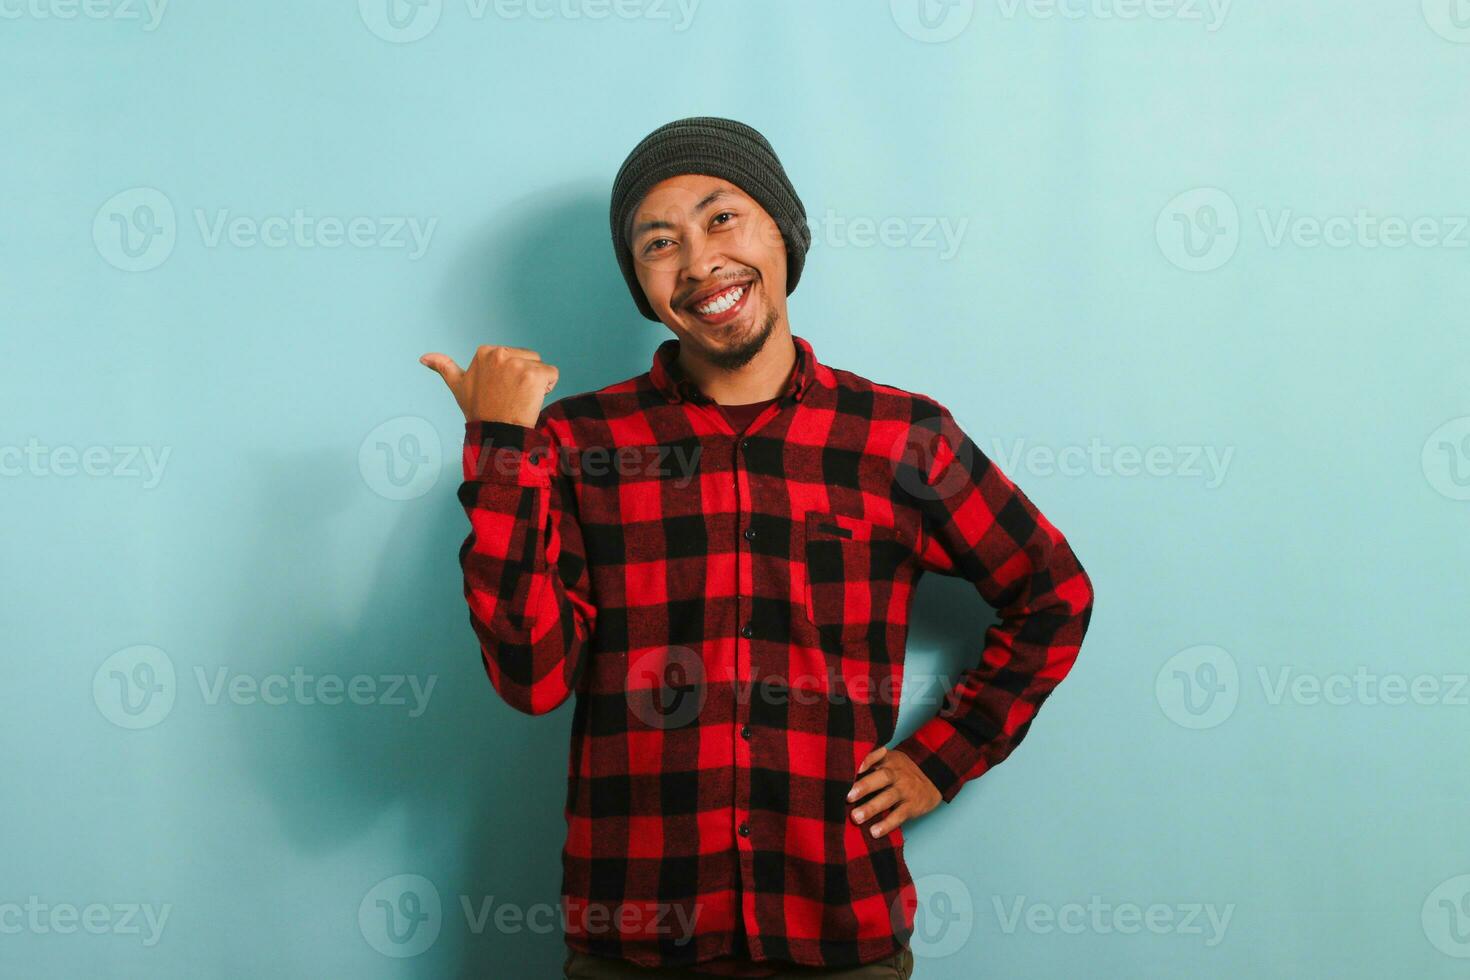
(892, 819)
(872, 782)
(880, 803)
(525, 352)
(872, 758)
(445, 366)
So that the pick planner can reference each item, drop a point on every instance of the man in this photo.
(717, 557)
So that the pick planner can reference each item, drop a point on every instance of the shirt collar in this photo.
(676, 385)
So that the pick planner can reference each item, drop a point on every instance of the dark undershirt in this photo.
(741, 416)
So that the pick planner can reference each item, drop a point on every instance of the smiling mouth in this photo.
(724, 305)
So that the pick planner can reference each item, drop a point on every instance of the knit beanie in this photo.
(718, 148)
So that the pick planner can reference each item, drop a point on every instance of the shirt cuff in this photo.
(945, 772)
(507, 452)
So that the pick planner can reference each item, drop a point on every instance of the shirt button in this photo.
(745, 830)
(745, 732)
(744, 443)
(750, 534)
(746, 631)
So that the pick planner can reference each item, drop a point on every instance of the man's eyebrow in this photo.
(705, 202)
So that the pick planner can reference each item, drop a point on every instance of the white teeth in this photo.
(722, 304)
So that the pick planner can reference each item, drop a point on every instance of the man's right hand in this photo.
(503, 384)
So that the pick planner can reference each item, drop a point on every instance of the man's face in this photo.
(713, 265)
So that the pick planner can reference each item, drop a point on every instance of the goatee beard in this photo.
(733, 358)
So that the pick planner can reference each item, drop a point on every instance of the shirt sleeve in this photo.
(977, 524)
(525, 567)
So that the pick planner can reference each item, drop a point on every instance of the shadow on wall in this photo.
(476, 787)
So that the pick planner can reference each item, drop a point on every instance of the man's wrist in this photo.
(506, 452)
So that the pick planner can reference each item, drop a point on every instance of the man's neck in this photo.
(762, 378)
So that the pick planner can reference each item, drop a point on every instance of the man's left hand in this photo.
(903, 791)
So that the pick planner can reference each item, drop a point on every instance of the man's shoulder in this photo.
(887, 400)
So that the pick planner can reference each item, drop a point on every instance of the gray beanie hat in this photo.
(719, 148)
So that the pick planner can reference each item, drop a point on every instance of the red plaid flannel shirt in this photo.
(730, 611)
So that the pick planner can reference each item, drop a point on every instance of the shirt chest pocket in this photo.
(851, 564)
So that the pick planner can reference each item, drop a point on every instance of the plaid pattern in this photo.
(730, 611)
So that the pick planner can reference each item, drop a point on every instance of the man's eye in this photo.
(724, 214)
(652, 246)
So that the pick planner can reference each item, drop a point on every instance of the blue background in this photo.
(1135, 276)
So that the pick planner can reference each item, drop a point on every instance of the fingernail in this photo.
(875, 830)
(851, 795)
(857, 815)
